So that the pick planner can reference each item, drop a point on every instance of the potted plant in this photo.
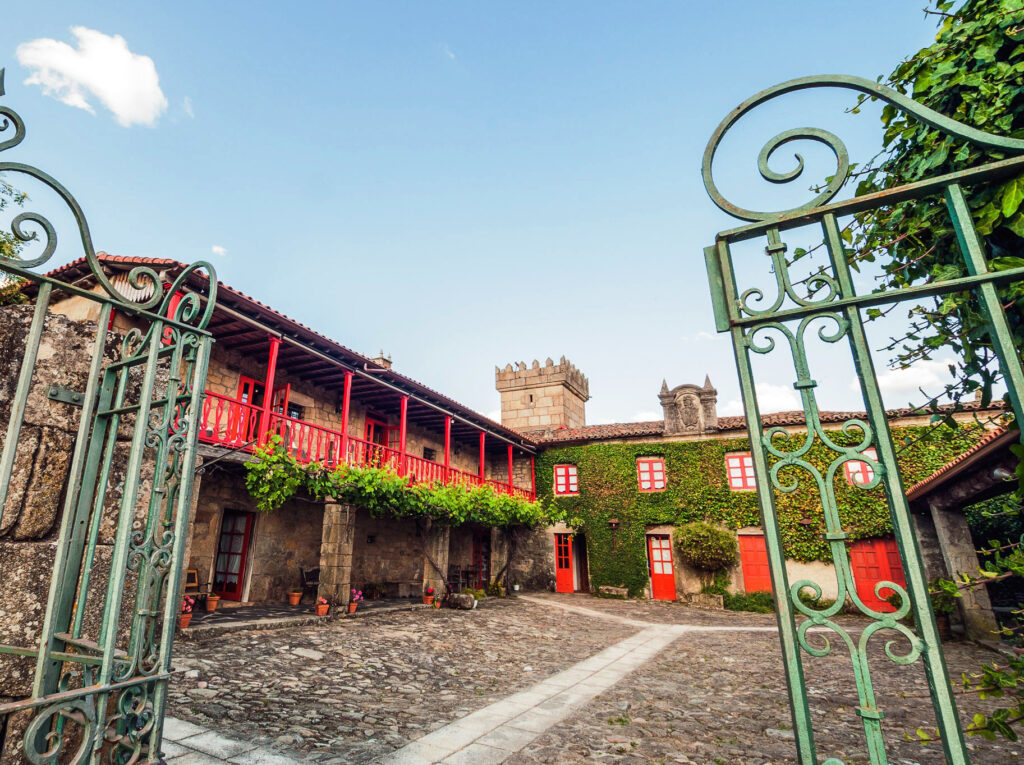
(212, 601)
(353, 602)
(294, 597)
(515, 586)
(428, 596)
(187, 604)
(943, 594)
(322, 606)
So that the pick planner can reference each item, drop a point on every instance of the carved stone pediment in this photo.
(689, 409)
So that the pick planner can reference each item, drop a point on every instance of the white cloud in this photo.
(700, 336)
(102, 67)
(770, 398)
(900, 386)
(447, 51)
(218, 250)
(187, 106)
(646, 416)
(494, 414)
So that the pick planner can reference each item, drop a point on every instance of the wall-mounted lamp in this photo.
(1003, 474)
(613, 523)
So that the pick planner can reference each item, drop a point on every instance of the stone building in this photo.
(690, 417)
(329, 404)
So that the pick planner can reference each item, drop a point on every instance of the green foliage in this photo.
(477, 594)
(10, 246)
(706, 547)
(697, 490)
(973, 73)
(495, 590)
(274, 477)
(758, 602)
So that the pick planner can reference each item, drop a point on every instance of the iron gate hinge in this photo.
(66, 396)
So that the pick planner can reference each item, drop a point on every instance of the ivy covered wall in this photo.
(698, 490)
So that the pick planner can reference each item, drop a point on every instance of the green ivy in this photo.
(274, 477)
(698, 491)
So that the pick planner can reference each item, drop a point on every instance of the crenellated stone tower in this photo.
(542, 397)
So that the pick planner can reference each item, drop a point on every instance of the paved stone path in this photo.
(188, 744)
(454, 687)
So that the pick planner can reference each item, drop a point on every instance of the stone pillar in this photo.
(336, 552)
(499, 554)
(960, 557)
(197, 483)
(928, 543)
(437, 546)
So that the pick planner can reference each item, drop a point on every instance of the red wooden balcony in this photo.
(235, 424)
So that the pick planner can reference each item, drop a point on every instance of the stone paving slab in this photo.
(188, 744)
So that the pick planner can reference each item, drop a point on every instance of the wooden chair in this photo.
(310, 580)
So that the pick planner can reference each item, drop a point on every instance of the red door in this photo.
(659, 558)
(245, 420)
(232, 554)
(754, 559)
(481, 559)
(873, 561)
(563, 563)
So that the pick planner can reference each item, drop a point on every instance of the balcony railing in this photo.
(235, 424)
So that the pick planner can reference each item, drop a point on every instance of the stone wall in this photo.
(387, 551)
(283, 541)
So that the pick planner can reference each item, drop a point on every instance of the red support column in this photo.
(268, 389)
(401, 436)
(482, 437)
(447, 448)
(345, 401)
(533, 479)
(510, 468)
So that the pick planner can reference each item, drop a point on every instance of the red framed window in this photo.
(739, 469)
(860, 473)
(566, 480)
(650, 474)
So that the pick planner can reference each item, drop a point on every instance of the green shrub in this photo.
(706, 547)
(478, 594)
(495, 590)
(759, 602)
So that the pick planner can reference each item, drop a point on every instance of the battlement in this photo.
(541, 397)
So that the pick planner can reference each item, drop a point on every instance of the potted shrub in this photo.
(187, 604)
(322, 606)
(353, 602)
(212, 601)
(294, 597)
(515, 586)
(428, 596)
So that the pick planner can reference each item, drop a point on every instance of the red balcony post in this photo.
(268, 389)
(510, 468)
(401, 436)
(447, 447)
(482, 437)
(345, 401)
(533, 478)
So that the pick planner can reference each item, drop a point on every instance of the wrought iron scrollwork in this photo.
(842, 173)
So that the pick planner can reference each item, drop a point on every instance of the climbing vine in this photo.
(274, 477)
(698, 491)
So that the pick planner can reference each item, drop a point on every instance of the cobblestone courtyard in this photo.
(358, 690)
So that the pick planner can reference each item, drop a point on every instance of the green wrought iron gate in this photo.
(102, 654)
(832, 305)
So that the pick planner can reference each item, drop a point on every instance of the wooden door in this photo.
(563, 563)
(481, 559)
(659, 560)
(754, 559)
(244, 423)
(874, 561)
(232, 554)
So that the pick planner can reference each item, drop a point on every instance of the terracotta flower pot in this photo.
(321, 609)
(184, 620)
(352, 607)
(428, 599)
(294, 598)
(211, 602)
(437, 604)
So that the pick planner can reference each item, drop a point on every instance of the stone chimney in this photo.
(381, 360)
(542, 397)
(689, 409)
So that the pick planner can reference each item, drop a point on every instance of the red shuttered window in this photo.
(566, 480)
(650, 472)
(739, 468)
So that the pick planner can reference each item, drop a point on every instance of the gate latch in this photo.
(57, 393)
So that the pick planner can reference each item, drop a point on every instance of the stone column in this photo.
(499, 553)
(960, 557)
(336, 552)
(197, 483)
(437, 546)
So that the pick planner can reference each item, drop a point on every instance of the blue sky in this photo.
(459, 184)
